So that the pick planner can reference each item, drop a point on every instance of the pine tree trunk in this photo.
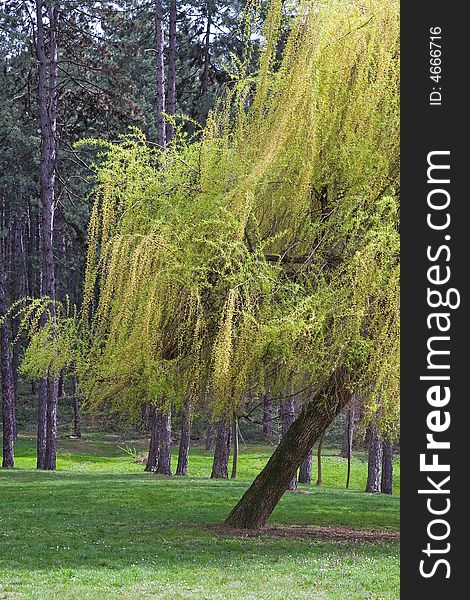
(154, 444)
(210, 437)
(207, 57)
(267, 416)
(19, 290)
(8, 385)
(319, 465)
(261, 498)
(164, 458)
(387, 467)
(77, 432)
(221, 450)
(183, 453)
(160, 76)
(235, 447)
(287, 410)
(374, 462)
(47, 410)
(171, 95)
(305, 471)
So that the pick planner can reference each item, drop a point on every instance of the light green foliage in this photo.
(271, 244)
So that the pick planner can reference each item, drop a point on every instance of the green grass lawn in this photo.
(101, 528)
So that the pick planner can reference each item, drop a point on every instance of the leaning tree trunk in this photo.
(160, 76)
(387, 467)
(305, 471)
(287, 410)
(374, 462)
(8, 384)
(262, 497)
(164, 458)
(267, 416)
(221, 450)
(77, 431)
(47, 88)
(183, 453)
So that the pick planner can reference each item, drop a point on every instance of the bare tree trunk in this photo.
(154, 444)
(8, 385)
(221, 450)
(61, 384)
(287, 410)
(235, 426)
(183, 453)
(160, 76)
(19, 289)
(42, 424)
(348, 430)
(47, 410)
(319, 465)
(144, 416)
(171, 95)
(305, 471)
(164, 458)
(387, 467)
(207, 56)
(374, 462)
(258, 502)
(210, 437)
(77, 432)
(267, 416)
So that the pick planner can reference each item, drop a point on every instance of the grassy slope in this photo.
(100, 527)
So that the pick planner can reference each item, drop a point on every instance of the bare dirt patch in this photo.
(308, 532)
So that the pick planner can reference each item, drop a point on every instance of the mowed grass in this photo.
(100, 528)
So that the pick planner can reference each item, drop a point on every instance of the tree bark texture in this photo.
(287, 410)
(258, 502)
(8, 384)
(154, 444)
(305, 471)
(319, 465)
(160, 75)
(221, 450)
(164, 457)
(47, 407)
(183, 453)
(387, 467)
(374, 462)
(171, 93)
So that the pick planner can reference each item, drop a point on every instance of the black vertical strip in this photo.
(431, 254)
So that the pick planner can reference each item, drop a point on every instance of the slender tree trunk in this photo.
(374, 462)
(221, 450)
(210, 437)
(207, 56)
(258, 502)
(267, 416)
(387, 467)
(164, 458)
(61, 384)
(348, 431)
(305, 471)
(171, 95)
(144, 416)
(319, 465)
(183, 453)
(8, 384)
(287, 409)
(154, 444)
(47, 410)
(42, 424)
(235, 426)
(19, 289)
(160, 75)
(77, 432)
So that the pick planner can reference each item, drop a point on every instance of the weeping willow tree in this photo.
(267, 248)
